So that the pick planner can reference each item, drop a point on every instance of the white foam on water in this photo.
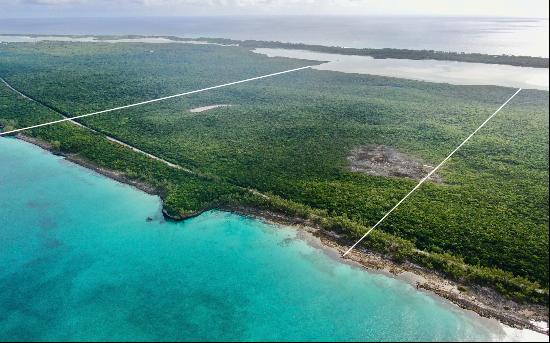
(521, 335)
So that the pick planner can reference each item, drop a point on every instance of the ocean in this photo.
(515, 36)
(81, 261)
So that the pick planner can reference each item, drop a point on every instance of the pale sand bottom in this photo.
(377, 264)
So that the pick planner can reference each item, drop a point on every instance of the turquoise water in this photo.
(81, 262)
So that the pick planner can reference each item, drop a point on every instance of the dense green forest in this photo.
(290, 137)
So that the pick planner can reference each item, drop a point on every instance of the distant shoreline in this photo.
(377, 53)
(465, 295)
(483, 301)
(487, 34)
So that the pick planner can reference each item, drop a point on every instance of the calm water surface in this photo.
(516, 36)
(80, 262)
(458, 73)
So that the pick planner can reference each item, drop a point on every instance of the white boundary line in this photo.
(151, 101)
(431, 172)
(262, 77)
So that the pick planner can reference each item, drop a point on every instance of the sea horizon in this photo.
(526, 36)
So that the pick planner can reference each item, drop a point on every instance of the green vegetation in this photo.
(522, 61)
(289, 137)
(184, 193)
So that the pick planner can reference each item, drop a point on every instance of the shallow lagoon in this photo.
(458, 73)
(92, 39)
(453, 72)
(81, 262)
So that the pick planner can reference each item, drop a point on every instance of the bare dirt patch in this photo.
(206, 108)
(382, 160)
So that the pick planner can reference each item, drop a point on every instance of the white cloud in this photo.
(535, 8)
(238, 3)
(55, 2)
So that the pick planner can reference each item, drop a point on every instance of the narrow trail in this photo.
(117, 141)
(111, 138)
(13, 89)
(435, 282)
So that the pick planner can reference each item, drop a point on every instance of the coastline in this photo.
(484, 301)
(117, 176)
(519, 60)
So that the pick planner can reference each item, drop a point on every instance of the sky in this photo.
(120, 8)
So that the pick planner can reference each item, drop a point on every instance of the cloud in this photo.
(227, 3)
(184, 3)
(55, 2)
(254, 5)
(535, 8)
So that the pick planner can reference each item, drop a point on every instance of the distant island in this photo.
(513, 60)
(520, 61)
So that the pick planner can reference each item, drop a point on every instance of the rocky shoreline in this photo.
(482, 300)
(120, 177)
